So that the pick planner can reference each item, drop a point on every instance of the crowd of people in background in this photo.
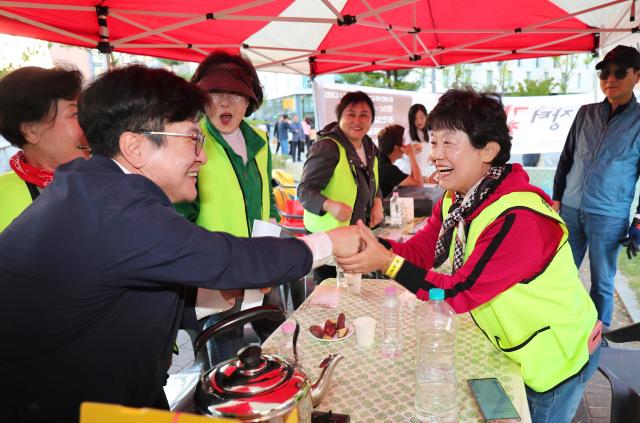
(293, 136)
(151, 232)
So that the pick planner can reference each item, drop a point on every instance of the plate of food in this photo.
(332, 330)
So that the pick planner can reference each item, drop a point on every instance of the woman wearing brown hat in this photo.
(234, 186)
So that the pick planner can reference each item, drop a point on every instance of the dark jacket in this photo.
(281, 130)
(600, 163)
(319, 167)
(93, 277)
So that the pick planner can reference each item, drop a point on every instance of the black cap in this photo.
(623, 56)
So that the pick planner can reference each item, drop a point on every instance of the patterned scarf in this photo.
(34, 175)
(461, 208)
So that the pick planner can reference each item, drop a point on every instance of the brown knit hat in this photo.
(229, 78)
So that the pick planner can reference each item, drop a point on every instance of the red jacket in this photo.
(519, 254)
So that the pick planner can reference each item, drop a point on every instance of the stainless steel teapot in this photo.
(259, 387)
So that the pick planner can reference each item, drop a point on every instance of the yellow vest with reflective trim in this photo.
(342, 187)
(222, 202)
(14, 198)
(544, 323)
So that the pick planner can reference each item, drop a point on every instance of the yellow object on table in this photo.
(369, 387)
(93, 412)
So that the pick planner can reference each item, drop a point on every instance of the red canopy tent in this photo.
(313, 37)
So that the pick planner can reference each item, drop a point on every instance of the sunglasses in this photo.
(196, 137)
(618, 74)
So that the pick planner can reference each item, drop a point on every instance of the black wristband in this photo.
(412, 277)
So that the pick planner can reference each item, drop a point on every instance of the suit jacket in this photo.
(298, 132)
(93, 276)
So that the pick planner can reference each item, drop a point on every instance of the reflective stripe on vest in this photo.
(342, 187)
(542, 323)
(222, 202)
(14, 198)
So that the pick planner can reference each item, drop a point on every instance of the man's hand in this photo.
(230, 295)
(341, 211)
(556, 206)
(374, 257)
(377, 213)
(632, 242)
(345, 240)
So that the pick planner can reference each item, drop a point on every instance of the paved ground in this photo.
(596, 402)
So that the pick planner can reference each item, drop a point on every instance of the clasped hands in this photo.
(357, 249)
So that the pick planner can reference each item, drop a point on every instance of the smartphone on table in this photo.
(493, 401)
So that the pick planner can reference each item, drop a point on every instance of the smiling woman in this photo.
(500, 252)
(339, 183)
(39, 114)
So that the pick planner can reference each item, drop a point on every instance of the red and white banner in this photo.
(537, 124)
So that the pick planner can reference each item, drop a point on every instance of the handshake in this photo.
(357, 249)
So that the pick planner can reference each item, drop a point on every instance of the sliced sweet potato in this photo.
(316, 331)
(341, 319)
(330, 328)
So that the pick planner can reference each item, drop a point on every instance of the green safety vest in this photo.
(14, 198)
(544, 323)
(342, 187)
(222, 202)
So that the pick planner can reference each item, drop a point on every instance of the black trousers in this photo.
(297, 148)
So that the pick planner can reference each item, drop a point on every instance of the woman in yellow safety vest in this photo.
(339, 183)
(39, 115)
(234, 186)
(500, 252)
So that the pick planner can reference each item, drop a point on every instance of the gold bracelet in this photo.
(394, 267)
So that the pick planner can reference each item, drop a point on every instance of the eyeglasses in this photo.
(231, 98)
(619, 74)
(196, 137)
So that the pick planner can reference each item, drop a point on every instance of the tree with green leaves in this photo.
(8, 65)
(394, 79)
(566, 64)
(531, 87)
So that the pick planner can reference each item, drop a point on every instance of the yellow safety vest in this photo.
(544, 323)
(222, 202)
(342, 187)
(14, 198)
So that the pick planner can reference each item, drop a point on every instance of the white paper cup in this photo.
(354, 282)
(365, 328)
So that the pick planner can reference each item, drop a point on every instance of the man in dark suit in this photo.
(94, 272)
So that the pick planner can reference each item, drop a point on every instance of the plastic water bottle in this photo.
(435, 360)
(390, 324)
(394, 210)
(285, 346)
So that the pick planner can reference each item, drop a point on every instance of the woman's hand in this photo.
(408, 149)
(377, 213)
(373, 257)
(432, 179)
(341, 211)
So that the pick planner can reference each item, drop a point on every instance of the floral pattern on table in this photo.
(371, 388)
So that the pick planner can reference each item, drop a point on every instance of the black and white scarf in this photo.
(461, 208)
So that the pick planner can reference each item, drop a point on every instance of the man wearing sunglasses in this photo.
(94, 272)
(597, 173)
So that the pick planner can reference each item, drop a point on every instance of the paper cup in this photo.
(365, 328)
(353, 282)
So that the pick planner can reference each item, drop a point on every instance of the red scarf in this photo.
(34, 175)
